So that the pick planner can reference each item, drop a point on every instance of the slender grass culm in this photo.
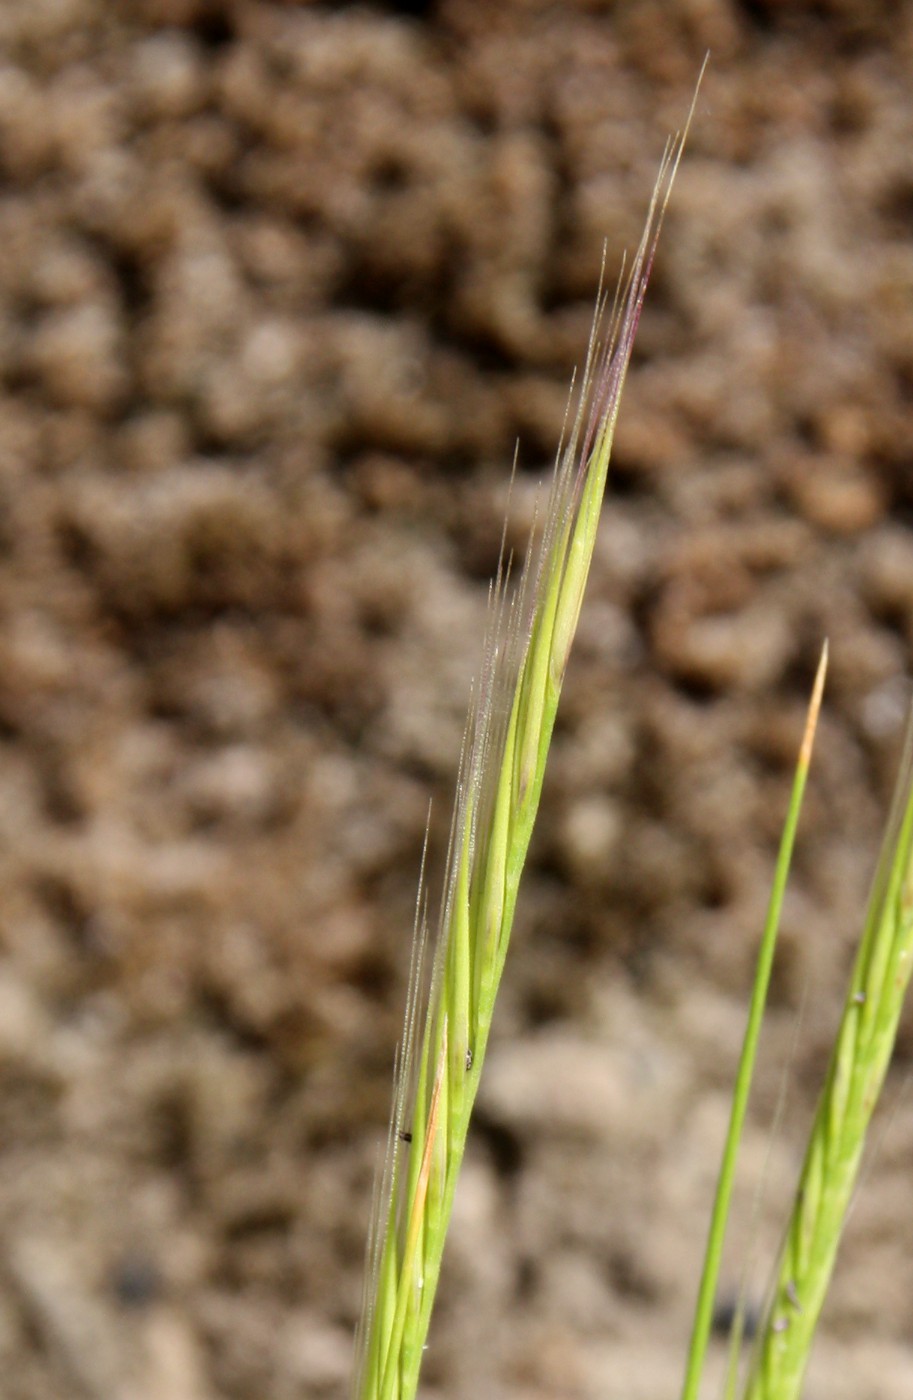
(706, 1296)
(512, 713)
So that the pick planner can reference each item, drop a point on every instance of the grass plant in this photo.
(859, 1061)
(456, 969)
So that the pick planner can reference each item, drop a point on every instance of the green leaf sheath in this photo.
(501, 774)
(859, 1062)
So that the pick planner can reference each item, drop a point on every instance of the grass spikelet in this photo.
(859, 1062)
(512, 714)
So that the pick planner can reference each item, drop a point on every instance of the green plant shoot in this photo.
(710, 1276)
(859, 1062)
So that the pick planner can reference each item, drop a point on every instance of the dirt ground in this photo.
(280, 288)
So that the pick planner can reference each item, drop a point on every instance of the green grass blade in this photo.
(703, 1316)
(858, 1065)
(498, 792)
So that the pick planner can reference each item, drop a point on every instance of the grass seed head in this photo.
(449, 1008)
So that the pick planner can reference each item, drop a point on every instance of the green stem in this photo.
(703, 1316)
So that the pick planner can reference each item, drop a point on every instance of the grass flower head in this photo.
(449, 1010)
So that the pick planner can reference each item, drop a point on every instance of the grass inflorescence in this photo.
(500, 780)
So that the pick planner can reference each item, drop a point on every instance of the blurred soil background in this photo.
(281, 286)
